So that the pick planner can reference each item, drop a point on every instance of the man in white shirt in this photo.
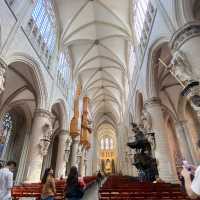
(6, 180)
(192, 186)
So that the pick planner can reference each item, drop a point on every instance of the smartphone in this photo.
(186, 165)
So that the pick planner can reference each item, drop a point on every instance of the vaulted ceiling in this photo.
(97, 32)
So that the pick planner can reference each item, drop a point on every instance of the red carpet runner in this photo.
(123, 188)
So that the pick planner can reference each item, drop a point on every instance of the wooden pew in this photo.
(34, 189)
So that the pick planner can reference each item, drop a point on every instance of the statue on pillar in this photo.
(46, 139)
(2, 77)
(180, 67)
(67, 147)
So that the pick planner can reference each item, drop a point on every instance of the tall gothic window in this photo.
(111, 144)
(132, 61)
(106, 143)
(140, 10)
(5, 129)
(70, 97)
(102, 144)
(44, 18)
(64, 69)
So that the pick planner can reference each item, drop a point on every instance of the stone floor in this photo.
(91, 193)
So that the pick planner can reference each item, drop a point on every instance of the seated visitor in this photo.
(192, 187)
(6, 180)
(75, 186)
(48, 185)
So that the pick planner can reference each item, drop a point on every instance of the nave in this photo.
(100, 85)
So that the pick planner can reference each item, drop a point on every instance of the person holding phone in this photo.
(192, 187)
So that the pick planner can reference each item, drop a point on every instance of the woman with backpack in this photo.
(74, 189)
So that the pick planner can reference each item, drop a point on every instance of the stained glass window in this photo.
(44, 18)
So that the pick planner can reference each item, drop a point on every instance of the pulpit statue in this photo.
(143, 159)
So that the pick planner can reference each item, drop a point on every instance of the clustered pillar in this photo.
(74, 129)
(61, 162)
(39, 143)
(85, 133)
(162, 155)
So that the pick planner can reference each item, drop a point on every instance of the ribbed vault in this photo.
(97, 33)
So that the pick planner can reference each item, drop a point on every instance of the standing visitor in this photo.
(6, 180)
(48, 185)
(192, 187)
(74, 189)
(99, 178)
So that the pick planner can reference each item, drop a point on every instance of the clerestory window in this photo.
(44, 24)
(64, 71)
(140, 12)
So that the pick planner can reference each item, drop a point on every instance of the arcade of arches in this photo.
(75, 74)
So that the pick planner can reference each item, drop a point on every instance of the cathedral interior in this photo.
(79, 79)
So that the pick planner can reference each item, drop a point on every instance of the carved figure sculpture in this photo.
(2, 78)
(46, 139)
(181, 67)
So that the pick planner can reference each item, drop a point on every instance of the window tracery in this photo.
(143, 16)
(42, 29)
(64, 71)
(139, 18)
(44, 18)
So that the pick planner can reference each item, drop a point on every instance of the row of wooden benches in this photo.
(34, 189)
(123, 188)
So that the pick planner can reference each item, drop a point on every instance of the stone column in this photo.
(81, 170)
(153, 106)
(122, 166)
(182, 140)
(61, 162)
(39, 143)
(75, 143)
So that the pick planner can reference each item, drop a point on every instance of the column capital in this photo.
(64, 132)
(180, 122)
(186, 32)
(154, 101)
(76, 140)
(43, 113)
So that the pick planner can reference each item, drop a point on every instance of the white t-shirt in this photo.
(196, 182)
(6, 183)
